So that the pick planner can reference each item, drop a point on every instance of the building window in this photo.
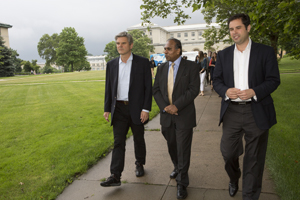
(150, 32)
(200, 33)
(185, 34)
(178, 34)
(193, 34)
(172, 35)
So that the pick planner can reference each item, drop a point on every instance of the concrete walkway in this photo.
(208, 179)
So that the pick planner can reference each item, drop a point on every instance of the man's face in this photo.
(238, 31)
(123, 46)
(171, 52)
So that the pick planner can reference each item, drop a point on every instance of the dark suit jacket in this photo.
(140, 87)
(186, 89)
(263, 77)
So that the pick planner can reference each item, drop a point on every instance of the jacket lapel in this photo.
(134, 65)
(252, 63)
(179, 72)
(231, 64)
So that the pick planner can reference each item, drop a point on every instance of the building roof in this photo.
(5, 25)
(176, 27)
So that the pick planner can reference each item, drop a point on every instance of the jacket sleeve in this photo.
(148, 86)
(271, 76)
(108, 90)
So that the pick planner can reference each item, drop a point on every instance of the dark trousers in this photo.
(179, 146)
(238, 121)
(121, 123)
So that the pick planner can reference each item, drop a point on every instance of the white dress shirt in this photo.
(241, 68)
(124, 79)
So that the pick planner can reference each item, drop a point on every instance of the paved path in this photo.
(208, 179)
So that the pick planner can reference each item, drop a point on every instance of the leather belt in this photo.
(240, 102)
(124, 102)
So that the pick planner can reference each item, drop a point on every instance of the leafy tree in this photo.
(16, 61)
(141, 46)
(6, 62)
(47, 48)
(273, 22)
(71, 49)
(27, 66)
(47, 69)
(111, 50)
(34, 66)
(141, 43)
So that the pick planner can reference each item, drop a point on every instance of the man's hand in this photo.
(144, 116)
(171, 109)
(232, 93)
(246, 94)
(106, 115)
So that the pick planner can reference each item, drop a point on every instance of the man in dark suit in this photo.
(245, 75)
(128, 97)
(175, 88)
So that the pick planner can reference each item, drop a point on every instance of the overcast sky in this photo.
(97, 21)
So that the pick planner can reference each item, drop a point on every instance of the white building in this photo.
(189, 35)
(97, 62)
(4, 33)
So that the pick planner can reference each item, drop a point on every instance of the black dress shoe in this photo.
(174, 173)
(181, 192)
(233, 188)
(111, 181)
(139, 170)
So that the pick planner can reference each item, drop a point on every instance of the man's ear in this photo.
(248, 28)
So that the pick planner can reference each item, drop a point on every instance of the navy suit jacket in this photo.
(140, 87)
(186, 89)
(263, 78)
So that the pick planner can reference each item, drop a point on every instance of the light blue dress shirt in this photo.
(176, 66)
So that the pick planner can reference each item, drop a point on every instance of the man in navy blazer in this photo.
(128, 97)
(177, 109)
(245, 76)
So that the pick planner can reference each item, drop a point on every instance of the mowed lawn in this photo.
(51, 131)
(283, 154)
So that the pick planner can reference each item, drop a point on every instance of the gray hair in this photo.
(125, 34)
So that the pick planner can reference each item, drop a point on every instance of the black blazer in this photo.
(140, 87)
(263, 77)
(186, 89)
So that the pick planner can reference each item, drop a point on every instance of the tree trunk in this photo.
(274, 41)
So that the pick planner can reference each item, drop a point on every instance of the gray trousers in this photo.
(238, 121)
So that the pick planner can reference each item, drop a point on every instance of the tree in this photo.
(141, 46)
(111, 50)
(71, 49)
(16, 61)
(34, 66)
(6, 62)
(141, 43)
(47, 47)
(27, 66)
(272, 21)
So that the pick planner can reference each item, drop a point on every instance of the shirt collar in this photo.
(248, 47)
(177, 62)
(129, 59)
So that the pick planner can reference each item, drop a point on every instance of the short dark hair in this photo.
(177, 44)
(244, 17)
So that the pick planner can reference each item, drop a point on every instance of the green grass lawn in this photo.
(51, 131)
(283, 154)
